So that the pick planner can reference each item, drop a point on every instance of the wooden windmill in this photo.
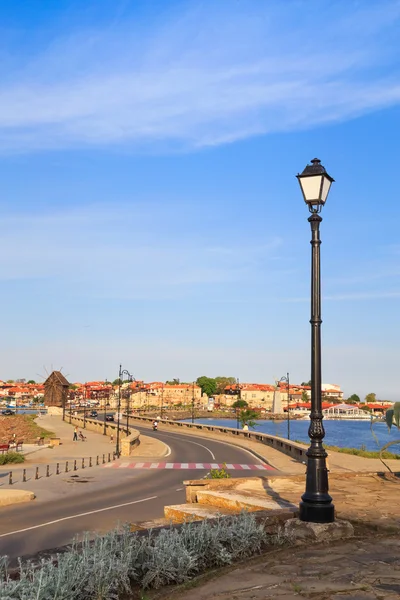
(56, 389)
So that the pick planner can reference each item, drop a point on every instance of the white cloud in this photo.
(204, 77)
(100, 251)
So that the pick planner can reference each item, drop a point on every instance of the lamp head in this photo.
(315, 184)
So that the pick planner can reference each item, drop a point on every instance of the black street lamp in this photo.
(122, 372)
(286, 380)
(237, 408)
(316, 505)
(193, 402)
(106, 396)
(84, 406)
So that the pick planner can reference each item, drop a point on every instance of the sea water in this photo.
(341, 432)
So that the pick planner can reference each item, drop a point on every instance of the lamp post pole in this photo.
(287, 381)
(122, 372)
(84, 406)
(70, 407)
(316, 505)
(105, 395)
(117, 452)
(193, 402)
(237, 409)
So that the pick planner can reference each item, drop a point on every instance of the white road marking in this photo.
(191, 442)
(218, 442)
(91, 512)
(179, 489)
(205, 448)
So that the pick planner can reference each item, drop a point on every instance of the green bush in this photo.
(219, 473)
(117, 564)
(11, 457)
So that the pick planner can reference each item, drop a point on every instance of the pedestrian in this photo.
(75, 438)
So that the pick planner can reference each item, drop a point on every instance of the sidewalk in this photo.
(366, 569)
(86, 454)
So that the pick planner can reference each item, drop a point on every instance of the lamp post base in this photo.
(317, 512)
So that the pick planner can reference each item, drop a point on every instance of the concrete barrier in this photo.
(129, 439)
(130, 442)
(293, 449)
(110, 428)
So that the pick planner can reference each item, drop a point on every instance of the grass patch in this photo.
(24, 428)
(11, 457)
(41, 431)
(358, 451)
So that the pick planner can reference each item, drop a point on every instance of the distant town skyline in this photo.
(150, 213)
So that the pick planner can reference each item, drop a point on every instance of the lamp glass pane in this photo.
(311, 187)
(326, 185)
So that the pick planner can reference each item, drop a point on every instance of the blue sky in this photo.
(150, 213)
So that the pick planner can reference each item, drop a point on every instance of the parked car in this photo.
(93, 413)
(7, 412)
(109, 417)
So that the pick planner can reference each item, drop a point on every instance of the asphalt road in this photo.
(131, 496)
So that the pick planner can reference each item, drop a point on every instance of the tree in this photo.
(31, 381)
(353, 399)
(173, 382)
(117, 381)
(306, 383)
(304, 396)
(240, 404)
(10, 380)
(208, 385)
(392, 416)
(370, 398)
(248, 417)
(223, 382)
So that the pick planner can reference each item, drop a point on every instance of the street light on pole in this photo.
(316, 505)
(122, 372)
(106, 396)
(84, 406)
(237, 408)
(286, 380)
(193, 402)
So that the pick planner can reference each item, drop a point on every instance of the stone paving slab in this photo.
(360, 569)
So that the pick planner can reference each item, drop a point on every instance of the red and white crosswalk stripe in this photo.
(188, 466)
